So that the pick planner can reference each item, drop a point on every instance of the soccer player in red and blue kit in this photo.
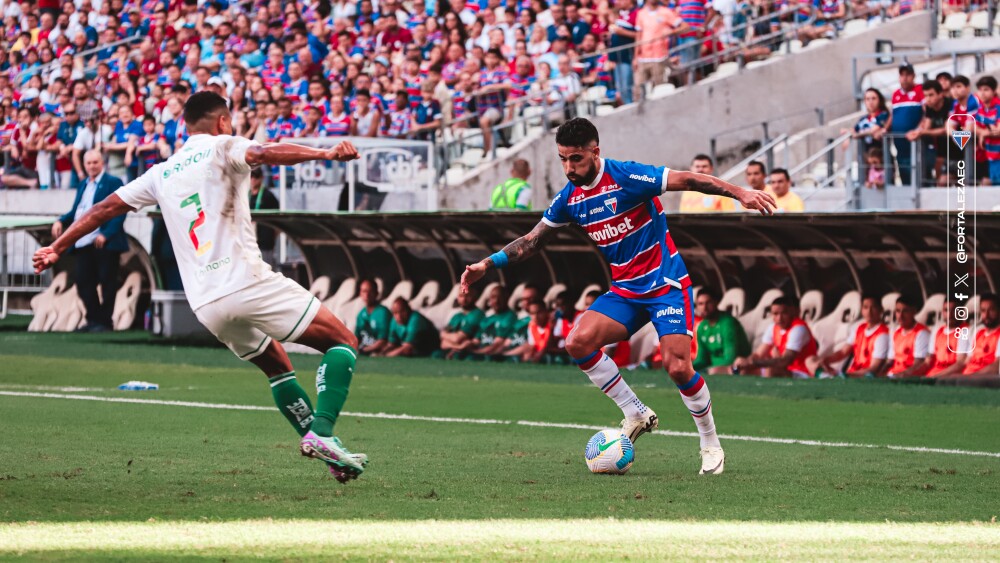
(617, 204)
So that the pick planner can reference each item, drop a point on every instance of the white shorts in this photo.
(247, 320)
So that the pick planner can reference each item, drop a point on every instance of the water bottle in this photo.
(138, 386)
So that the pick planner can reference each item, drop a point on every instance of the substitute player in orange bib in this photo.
(868, 340)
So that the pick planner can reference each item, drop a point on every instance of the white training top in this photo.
(202, 192)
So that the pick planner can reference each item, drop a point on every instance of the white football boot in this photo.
(713, 461)
(635, 427)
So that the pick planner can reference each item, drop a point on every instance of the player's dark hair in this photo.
(906, 68)
(202, 105)
(987, 81)
(577, 132)
(713, 293)
(946, 75)
(783, 172)
(910, 300)
(875, 299)
(362, 281)
(991, 297)
(786, 301)
(763, 169)
(256, 172)
(881, 99)
(595, 294)
(703, 157)
(961, 79)
(933, 85)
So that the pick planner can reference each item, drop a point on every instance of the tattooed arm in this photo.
(517, 251)
(691, 181)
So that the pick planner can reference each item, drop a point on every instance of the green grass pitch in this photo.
(100, 480)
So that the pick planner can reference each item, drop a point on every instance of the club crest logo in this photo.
(961, 138)
(612, 204)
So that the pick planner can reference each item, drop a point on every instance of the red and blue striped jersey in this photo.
(621, 212)
(970, 107)
(987, 116)
(907, 109)
(332, 126)
(399, 122)
(452, 70)
(693, 14)
(489, 78)
(297, 90)
(271, 75)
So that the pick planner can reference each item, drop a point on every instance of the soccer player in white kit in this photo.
(202, 191)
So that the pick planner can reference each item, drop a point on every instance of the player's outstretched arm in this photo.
(288, 154)
(678, 181)
(111, 207)
(517, 251)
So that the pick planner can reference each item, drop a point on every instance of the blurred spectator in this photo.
(696, 202)
(781, 188)
(655, 24)
(693, 14)
(372, 327)
(985, 357)
(463, 326)
(875, 163)
(720, 337)
(127, 129)
(410, 333)
(907, 112)
(623, 33)
(515, 193)
(493, 86)
(496, 328)
(988, 125)
(828, 17)
(20, 171)
(867, 341)
(546, 335)
(787, 344)
(949, 352)
(98, 254)
(366, 119)
(871, 127)
(263, 198)
(756, 175)
(944, 79)
(932, 130)
(427, 115)
(910, 346)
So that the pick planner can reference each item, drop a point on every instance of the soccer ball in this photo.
(609, 451)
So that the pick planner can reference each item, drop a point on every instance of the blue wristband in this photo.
(499, 259)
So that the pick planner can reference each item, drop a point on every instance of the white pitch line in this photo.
(560, 425)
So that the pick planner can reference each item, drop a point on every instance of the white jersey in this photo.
(202, 192)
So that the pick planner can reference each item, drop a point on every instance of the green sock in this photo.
(332, 380)
(292, 401)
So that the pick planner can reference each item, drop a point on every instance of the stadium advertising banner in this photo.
(391, 175)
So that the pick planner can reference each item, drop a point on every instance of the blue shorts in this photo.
(671, 313)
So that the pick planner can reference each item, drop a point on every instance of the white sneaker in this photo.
(635, 427)
(713, 461)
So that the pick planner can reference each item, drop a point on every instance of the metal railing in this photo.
(925, 53)
(766, 151)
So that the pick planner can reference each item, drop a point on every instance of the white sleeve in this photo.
(921, 344)
(852, 333)
(531, 336)
(524, 197)
(80, 144)
(769, 334)
(140, 192)
(881, 350)
(798, 337)
(235, 152)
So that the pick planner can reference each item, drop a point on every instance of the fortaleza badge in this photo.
(961, 138)
(612, 204)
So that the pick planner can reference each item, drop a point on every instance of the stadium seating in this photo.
(811, 305)
(320, 288)
(930, 313)
(733, 301)
(757, 320)
(889, 308)
(126, 302)
(833, 327)
(45, 315)
(583, 294)
(347, 290)
(643, 343)
(402, 289)
(426, 297)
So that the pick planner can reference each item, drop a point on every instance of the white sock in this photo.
(603, 372)
(699, 401)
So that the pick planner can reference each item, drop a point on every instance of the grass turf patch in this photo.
(498, 540)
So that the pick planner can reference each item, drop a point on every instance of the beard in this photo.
(586, 180)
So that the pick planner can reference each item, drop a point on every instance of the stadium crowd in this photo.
(114, 74)
(537, 333)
